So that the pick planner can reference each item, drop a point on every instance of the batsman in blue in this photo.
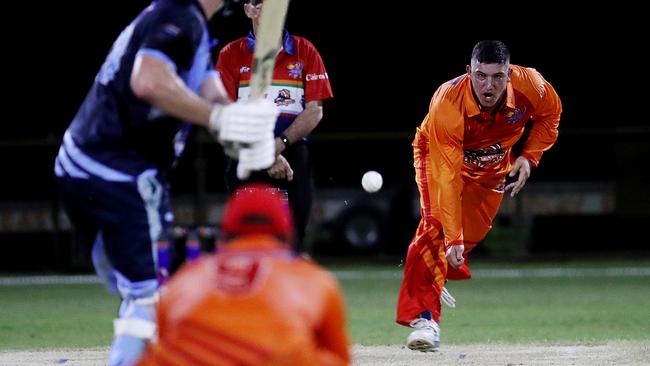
(113, 164)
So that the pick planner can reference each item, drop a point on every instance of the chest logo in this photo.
(487, 156)
(284, 98)
(516, 115)
(295, 69)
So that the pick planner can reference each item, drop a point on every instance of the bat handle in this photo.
(234, 146)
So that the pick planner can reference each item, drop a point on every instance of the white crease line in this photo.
(512, 273)
(380, 275)
(49, 280)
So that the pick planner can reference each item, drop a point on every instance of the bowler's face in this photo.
(489, 82)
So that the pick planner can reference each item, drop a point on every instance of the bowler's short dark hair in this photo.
(491, 52)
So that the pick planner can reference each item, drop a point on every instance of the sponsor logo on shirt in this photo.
(284, 98)
(516, 115)
(484, 157)
(295, 69)
(311, 77)
(244, 69)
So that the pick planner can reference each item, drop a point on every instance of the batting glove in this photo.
(231, 149)
(244, 122)
(257, 156)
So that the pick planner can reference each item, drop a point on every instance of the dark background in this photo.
(384, 60)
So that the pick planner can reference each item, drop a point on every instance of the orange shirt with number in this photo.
(253, 303)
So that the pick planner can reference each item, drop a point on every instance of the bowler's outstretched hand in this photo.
(522, 168)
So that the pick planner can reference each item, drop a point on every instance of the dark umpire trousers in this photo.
(299, 189)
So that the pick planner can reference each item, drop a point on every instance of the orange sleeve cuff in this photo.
(534, 162)
(455, 242)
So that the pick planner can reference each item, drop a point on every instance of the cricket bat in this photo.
(267, 42)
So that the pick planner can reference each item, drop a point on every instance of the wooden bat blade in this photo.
(267, 42)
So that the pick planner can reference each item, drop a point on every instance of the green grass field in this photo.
(553, 309)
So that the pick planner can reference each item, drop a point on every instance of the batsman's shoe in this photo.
(425, 337)
(126, 350)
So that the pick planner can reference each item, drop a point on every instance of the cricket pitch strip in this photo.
(597, 353)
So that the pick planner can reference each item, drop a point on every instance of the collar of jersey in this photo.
(287, 42)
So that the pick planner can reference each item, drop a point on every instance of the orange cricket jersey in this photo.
(463, 144)
(253, 303)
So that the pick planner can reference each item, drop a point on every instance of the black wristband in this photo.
(285, 140)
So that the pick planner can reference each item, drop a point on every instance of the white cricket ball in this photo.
(371, 181)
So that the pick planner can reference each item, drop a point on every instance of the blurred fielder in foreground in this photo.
(113, 164)
(254, 302)
(462, 156)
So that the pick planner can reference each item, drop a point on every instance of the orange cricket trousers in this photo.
(426, 270)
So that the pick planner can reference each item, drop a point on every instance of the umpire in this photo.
(300, 84)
